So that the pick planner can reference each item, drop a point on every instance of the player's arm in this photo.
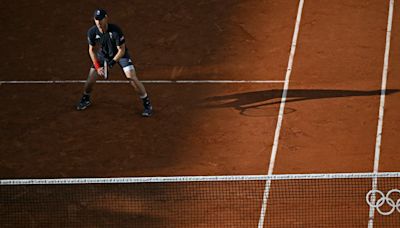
(118, 56)
(91, 37)
(120, 42)
(120, 53)
(96, 63)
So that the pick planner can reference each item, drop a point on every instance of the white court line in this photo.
(280, 116)
(176, 179)
(148, 82)
(381, 111)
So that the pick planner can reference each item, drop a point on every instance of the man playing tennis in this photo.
(112, 50)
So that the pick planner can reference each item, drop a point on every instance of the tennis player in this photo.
(112, 51)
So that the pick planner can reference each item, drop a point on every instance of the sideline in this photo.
(280, 116)
(381, 112)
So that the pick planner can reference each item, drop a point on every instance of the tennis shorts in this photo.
(125, 62)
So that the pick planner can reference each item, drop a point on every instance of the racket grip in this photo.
(105, 69)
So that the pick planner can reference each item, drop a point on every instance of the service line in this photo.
(147, 82)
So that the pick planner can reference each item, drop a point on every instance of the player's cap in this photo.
(99, 14)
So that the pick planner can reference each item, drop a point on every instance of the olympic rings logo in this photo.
(382, 199)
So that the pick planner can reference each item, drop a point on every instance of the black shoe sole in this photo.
(147, 114)
(82, 108)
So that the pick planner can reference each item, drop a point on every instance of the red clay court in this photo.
(240, 88)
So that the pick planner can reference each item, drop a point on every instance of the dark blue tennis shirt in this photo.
(108, 40)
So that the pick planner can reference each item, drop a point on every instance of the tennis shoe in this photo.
(84, 103)
(148, 111)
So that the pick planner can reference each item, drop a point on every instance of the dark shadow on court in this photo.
(257, 99)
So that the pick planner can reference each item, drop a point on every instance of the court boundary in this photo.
(147, 82)
(381, 111)
(281, 112)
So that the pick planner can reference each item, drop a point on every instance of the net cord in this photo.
(177, 179)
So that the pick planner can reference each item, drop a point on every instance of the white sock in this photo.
(144, 96)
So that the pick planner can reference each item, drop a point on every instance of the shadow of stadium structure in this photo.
(256, 99)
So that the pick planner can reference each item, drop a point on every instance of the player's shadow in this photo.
(263, 98)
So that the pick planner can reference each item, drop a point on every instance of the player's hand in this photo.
(100, 71)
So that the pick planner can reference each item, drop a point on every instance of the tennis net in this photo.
(309, 200)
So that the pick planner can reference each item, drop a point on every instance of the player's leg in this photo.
(90, 81)
(130, 74)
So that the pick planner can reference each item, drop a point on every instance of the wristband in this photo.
(112, 63)
(96, 64)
